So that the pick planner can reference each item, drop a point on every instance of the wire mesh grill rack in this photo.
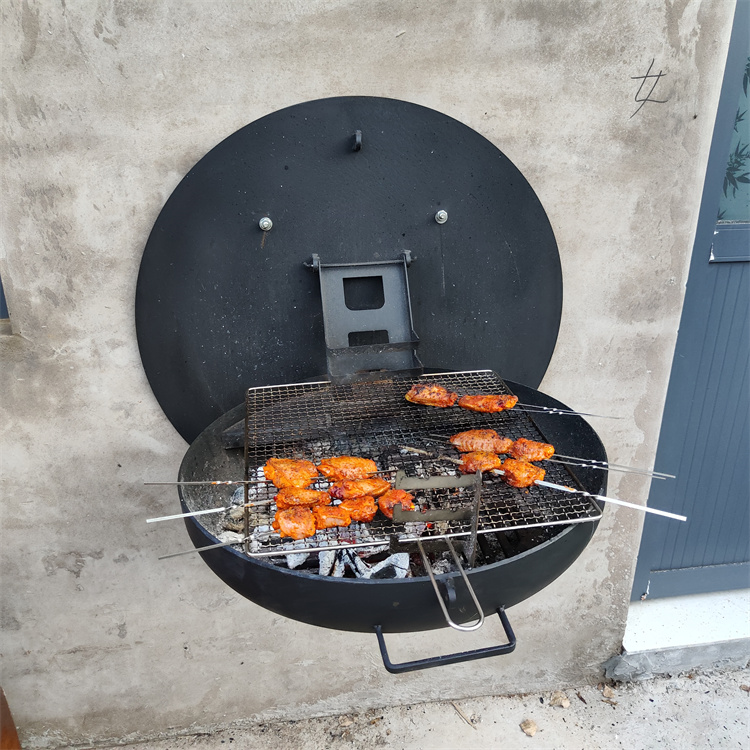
(372, 419)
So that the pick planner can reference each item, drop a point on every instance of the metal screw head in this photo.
(265, 223)
(441, 217)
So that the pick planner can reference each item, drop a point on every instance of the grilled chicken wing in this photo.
(521, 473)
(362, 509)
(297, 523)
(530, 450)
(481, 440)
(395, 497)
(288, 472)
(488, 403)
(339, 468)
(348, 489)
(431, 395)
(328, 516)
(479, 461)
(290, 497)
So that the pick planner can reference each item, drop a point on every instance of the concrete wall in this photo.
(106, 106)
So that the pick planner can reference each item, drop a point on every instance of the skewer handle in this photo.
(209, 510)
(209, 481)
(186, 515)
(613, 500)
(564, 412)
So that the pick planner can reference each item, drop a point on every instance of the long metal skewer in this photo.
(210, 481)
(563, 488)
(614, 500)
(592, 463)
(209, 510)
(583, 464)
(223, 508)
(618, 467)
(535, 408)
(201, 549)
(240, 481)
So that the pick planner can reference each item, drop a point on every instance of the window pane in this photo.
(3, 306)
(734, 204)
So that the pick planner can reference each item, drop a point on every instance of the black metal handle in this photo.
(439, 661)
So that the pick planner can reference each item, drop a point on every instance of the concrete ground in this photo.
(693, 710)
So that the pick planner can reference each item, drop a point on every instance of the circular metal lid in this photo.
(223, 304)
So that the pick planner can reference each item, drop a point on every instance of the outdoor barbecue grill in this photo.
(292, 288)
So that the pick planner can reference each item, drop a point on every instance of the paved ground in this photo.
(700, 710)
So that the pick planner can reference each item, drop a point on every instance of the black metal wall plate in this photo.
(222, 305)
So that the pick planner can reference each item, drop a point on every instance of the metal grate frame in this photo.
(372, 419)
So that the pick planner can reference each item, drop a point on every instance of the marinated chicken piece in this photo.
(481, 440)
(395, 497)
(431, 395)
(289, 497)
(328, 516)
(297, 523)
(487, 403)
(479, 461)
(348, 489)
(521, 473)
(288, 472)
(362, 509)
(339, 468)
(530, 450)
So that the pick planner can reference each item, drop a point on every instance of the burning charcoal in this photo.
(367, 552)
(395, 566)
(326, 561)
(295, 560)
(359, 567)
(339, 566)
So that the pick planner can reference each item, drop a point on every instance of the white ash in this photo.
(395, 566)
(325, 562)
(230, 537)
(296, 559)
(335, 563)
(442, 566)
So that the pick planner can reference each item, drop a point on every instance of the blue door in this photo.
(705, 433)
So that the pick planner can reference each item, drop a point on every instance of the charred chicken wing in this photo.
(288, 472)
(289, 497)
(530, 450)
(362, 509)
(328, 516)
(488, 403)
(521, 473)
(395, 497)
(481, 440)
(479, 461)
(339, 468)
(348, 489)
(431, 395)
(297, 522)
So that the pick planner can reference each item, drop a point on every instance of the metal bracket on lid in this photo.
(367, 319)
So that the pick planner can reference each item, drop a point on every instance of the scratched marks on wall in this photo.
(649, 79)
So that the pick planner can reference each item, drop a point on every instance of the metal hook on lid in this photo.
(357, 140)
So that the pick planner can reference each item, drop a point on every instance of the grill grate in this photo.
(372, 419)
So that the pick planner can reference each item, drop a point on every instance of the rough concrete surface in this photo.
(693, 710)
(106, 105)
